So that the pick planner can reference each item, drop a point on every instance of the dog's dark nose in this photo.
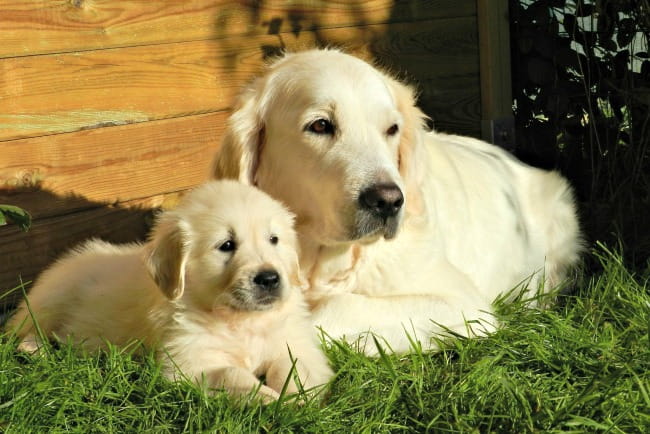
(383, 200)
(268, 280)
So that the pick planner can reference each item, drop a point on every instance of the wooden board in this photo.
(68, 92)
(441, 58)
(108, 165)
(30, 27)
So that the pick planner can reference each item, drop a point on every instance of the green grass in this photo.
(581, 366)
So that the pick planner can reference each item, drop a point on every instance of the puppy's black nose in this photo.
(383, 200)
(268, 280)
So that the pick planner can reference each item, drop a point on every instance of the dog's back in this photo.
(528, 215)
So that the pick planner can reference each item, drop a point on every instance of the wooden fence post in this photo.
(497, 122)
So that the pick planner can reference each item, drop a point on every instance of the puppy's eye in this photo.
(273, 240)
(228, 246)
(392, 130)
(321, 126)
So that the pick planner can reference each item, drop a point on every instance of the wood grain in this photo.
(61, 93)
(30, 27)
(108, 165)
(442, 64)
(68, 92)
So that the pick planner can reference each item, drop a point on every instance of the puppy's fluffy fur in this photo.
(401, 228)
(216, 291)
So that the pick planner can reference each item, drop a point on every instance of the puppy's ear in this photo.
(242, 142)
(166, 256)
(411, 147)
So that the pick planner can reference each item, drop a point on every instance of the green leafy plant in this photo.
(16, 215)
(581, 87)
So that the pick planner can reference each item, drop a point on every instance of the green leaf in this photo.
(16, 215)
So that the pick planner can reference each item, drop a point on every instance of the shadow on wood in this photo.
(26, 254)
(433, 48)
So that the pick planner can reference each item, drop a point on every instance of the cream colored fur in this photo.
(180, 293)
(476, 221)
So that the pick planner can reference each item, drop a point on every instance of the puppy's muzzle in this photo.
(382, 200)
(258, 290)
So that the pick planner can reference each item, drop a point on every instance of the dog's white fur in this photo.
(180, 293)
(476, 222)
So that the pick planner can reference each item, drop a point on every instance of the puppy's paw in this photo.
(30, 345)
(265, 395)
(300, 382)
(238, 382)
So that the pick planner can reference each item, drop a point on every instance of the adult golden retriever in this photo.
(216, 291)
(401, 229)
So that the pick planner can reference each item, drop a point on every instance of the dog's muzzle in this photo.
(379, 210)
(382, 200)
(267, 286)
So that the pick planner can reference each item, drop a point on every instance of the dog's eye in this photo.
(228, 246)
(274, 240)
(392, 130)
(321, 126)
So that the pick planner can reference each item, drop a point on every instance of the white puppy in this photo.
(216, 291)
(401, 229)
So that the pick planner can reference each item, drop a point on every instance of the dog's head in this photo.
(333, 138)
(225, 244)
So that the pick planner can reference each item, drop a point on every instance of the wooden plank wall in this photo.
(110, 108)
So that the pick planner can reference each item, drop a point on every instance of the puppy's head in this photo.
(225, 244)
(333, 138)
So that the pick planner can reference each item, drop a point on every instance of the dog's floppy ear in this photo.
(166, 256)
(244, 136)
(411, 147)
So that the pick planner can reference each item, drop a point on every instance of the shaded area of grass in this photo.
(583, 365)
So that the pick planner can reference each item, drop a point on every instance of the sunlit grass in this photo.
(582, 366)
